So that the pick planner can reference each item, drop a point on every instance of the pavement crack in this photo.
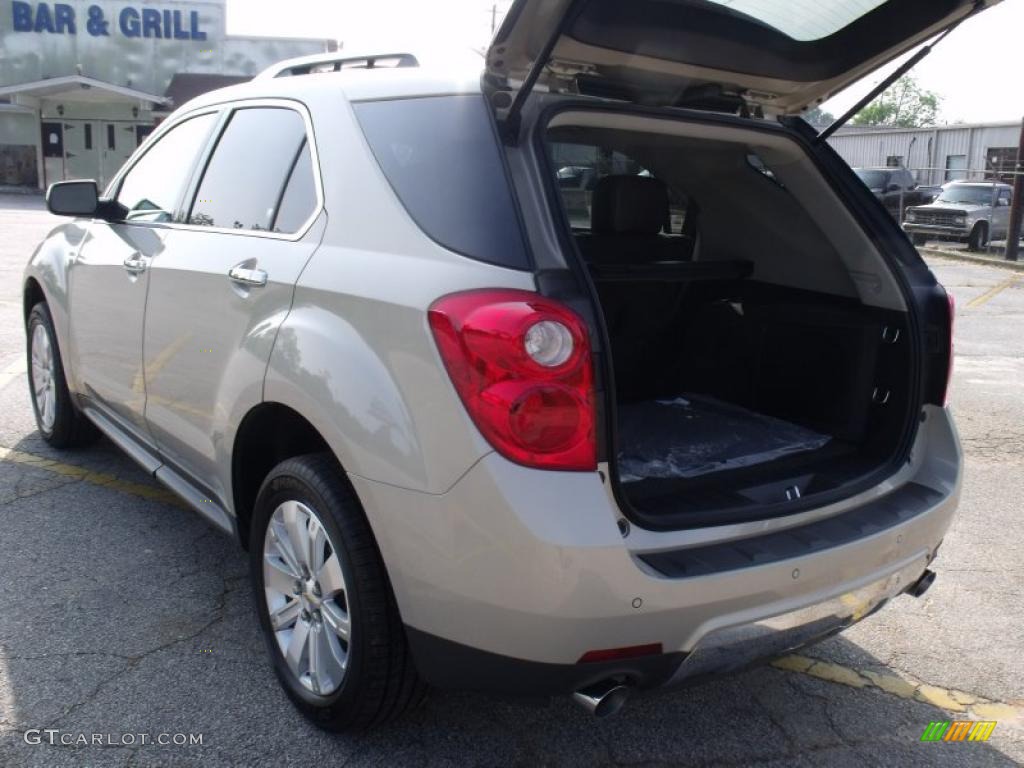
(132, 661)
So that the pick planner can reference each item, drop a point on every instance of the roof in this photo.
(79, 88)
(851, 129)
(354, 84)
(185, 86)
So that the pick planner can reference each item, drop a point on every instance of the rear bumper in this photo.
(448, 664)
(529, 570)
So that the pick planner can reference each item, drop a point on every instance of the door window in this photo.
(244, 181)
(1004, 197)
(151, 189)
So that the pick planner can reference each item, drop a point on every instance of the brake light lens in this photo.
(521, 364)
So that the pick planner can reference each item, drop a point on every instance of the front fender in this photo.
(49, 267)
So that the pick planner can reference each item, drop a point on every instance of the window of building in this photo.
(87, 136)
(1000, 162)
(245, 178)
(299, 199)
(894, 161)
(956, 167)
(110, 136)
(151, 189)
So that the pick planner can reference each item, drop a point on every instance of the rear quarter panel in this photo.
(355, 355)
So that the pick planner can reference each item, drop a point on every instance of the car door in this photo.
(224, 284)
(1001, 215)
(108, 278)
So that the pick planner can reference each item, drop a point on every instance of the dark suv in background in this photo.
(896, 188)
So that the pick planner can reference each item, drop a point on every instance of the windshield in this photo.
(873, 179)
(962, 193)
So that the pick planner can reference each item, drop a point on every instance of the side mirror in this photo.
(73, 198)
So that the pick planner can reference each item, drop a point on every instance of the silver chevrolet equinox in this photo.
(589, 372)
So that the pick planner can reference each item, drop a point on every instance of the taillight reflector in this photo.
(529, 388)
(616, 654)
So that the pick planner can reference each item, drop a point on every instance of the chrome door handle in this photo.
(136, 264)
(248, 276)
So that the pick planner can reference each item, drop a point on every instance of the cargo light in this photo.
(617, 654)
(521, 365)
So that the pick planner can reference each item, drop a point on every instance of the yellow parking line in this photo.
(101, 479)
(992, 292)
(904, 686)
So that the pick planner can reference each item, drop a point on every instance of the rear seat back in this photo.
(627, 217)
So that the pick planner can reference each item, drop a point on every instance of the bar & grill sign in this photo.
(129, 21)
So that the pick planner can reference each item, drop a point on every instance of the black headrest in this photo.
(634, 205)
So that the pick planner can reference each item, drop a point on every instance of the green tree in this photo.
(818, 117)
(904, 104)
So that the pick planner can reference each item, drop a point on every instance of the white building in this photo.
(82, 82)
(936, 155)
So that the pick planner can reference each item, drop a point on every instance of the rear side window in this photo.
(245, 179)
(441, 156)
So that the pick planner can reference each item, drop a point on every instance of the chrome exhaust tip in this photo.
(603, 699)
(923, 584)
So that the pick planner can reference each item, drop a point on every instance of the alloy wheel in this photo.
(44, 377)
(304, 587)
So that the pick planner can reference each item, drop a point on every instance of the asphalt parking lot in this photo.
(123, 613)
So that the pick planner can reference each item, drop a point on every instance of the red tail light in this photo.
(521, 364)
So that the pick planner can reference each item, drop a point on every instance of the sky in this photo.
(976, 70)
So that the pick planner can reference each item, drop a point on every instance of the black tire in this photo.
(978, 239)
(380, 682)
(69, 428)
(919, 239)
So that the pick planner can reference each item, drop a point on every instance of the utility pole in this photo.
(1017, 211)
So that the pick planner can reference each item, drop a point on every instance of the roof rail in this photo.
(336, 61)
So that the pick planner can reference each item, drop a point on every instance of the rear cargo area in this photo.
(759, 342)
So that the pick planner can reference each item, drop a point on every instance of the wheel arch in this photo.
(32, 294)
(270, 433)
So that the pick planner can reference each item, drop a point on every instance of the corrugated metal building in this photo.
(936, 155)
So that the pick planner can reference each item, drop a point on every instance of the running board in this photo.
(205, 506)
(154, 466)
